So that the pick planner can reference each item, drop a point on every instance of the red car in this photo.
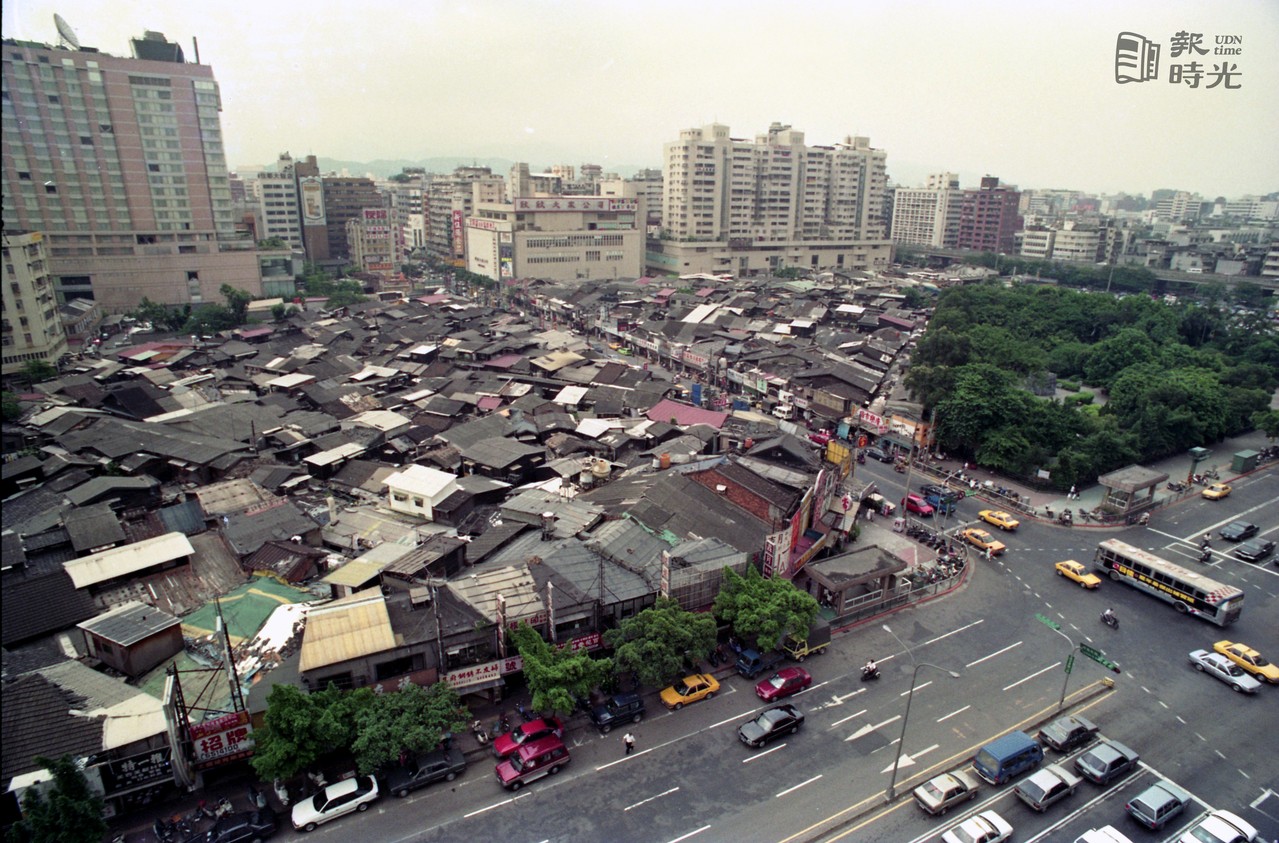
(505, 746)
(917, 505)
(783, 683)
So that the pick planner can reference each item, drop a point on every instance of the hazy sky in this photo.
(1022, 90)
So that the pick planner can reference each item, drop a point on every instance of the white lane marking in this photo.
(908, 691)
(992, 655)
(1265, 794)
(1031, 676)
(866, 730)
(651, 798)
(762, 754)
(690, 834)
(798, 786)
(494, 805)
(953, 713)
(908, 760)
(846, 719)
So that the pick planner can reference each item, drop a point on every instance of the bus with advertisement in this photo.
(1190, 592)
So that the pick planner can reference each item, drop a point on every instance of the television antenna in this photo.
(66, 33)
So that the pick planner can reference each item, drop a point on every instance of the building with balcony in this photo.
(927, 216)
(32, 326)
(988, 217)
(119, 163)
(450, 200)
(745, 207)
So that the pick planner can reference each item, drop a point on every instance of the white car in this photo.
(337, 799)
(1220, 827)
(1219, 667)
(986, 827)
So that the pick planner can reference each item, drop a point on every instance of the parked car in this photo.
(1155, 806)
(783, 683)
(986, 827)
(1216, 491)
(917, 505)
(1221, 827)
(690, 689)
(784, 719)
(505, 745)
(1047, 787)
(1250, 660)
(1237, 531)
(443, 765)
(982, 540)
(1219, 667)
(1106, 761)
(533, 760)
(877, 454)
(996, 518)
(237, 828)
(1067, 733)
(618, 709)
(940, 793)
(1076, 572)
(1254, 550)
(336, 800)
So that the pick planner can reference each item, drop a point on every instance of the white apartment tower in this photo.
(32, 327)
(278, 213)
(927, 216)
(757, 206)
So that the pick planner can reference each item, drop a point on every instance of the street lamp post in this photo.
(910, 696)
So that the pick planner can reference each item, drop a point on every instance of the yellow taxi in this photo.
(999, 519)
(1216, 491)
(1076, 572)
(1249, 659)
(690, 689)
(983, 540)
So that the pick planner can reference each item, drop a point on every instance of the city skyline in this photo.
(1024, 93)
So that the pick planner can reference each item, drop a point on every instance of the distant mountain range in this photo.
(384, 168)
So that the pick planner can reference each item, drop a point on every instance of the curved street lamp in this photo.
(910, 696)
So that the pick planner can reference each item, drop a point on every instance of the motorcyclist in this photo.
(1109, 616)
(870, 668)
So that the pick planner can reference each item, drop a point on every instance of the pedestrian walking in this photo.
(629, 740)
(1073, 494)
(987, 554)
(870, 515)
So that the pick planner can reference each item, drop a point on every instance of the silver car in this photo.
(1219, 667)
(1047, 787)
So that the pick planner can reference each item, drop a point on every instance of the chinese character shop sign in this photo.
(222, 739)
(1137, 60)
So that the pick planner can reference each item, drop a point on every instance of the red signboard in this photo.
(222, 739)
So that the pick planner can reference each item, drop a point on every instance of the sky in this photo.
(1020, 89)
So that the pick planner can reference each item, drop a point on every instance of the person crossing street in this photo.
(629, 740)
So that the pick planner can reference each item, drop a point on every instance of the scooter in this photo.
(869, 673)
(527, 715)
(481, 736)
(163, 829)
(1110, 620)
(1206, 556)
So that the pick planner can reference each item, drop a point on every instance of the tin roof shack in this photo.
(856, 582)
(132, 638)
(99, 571)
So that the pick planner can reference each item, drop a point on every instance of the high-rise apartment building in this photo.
(278, 213)
(988, 217)
(744, 207)
(345, 199)
(119, 163)
(452, 198)
(928, 216)
(32, 327)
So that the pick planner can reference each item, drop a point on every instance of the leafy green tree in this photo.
(413, 720)
(237, 303)
(12, 409)
(36, 371)
(558, 676)
(71, 813)
(209, 319)
(763, 610)
(279, 311)
(302, 728)
(1115, 354)
(982, 399)
(657, 642)
(1267, 421)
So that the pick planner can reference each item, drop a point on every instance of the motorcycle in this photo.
(1065, 518)
(481, 736)
(1206, 556)
(163, 829)
(526, 714)
(861, 458)
(869, 673)
(1110, 620)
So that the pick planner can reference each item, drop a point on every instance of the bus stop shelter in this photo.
(1130, 490)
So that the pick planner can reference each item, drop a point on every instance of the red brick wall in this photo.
(743, 498)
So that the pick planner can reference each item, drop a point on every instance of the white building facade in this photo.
(33, 329)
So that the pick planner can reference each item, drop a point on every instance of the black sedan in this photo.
(877, 454)
(234, 828)
(1066, 733)
(445, 765)
(1237, 531)
(771, 723)
(1255, 550)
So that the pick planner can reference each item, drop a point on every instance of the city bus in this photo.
(1190, 592)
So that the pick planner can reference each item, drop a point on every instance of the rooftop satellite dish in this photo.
(66, 32)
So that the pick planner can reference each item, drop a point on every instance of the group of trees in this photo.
(1173, 377)
(303, 730)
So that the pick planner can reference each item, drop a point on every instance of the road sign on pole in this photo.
(1099, 657)
(1070, 662)
(1048, 622)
